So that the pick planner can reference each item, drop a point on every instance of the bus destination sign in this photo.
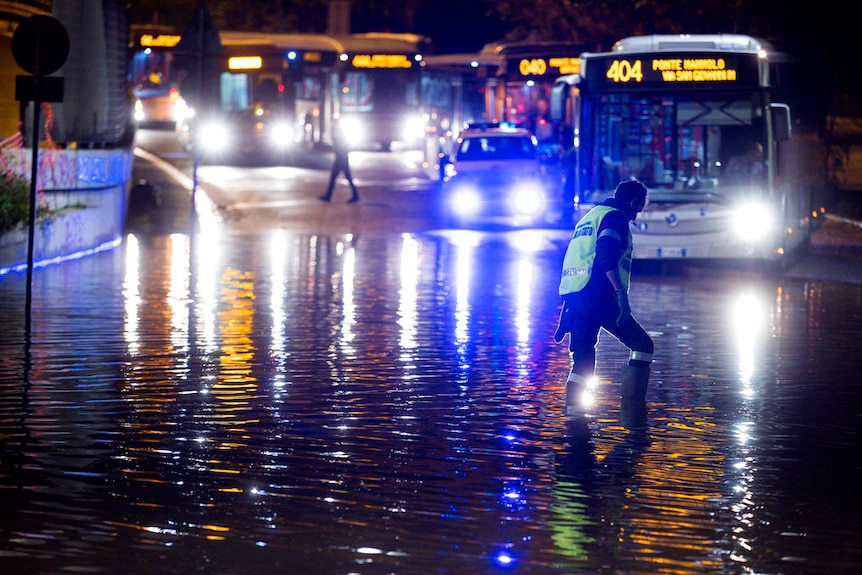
(381, 61)
(245, 63)
(158, 40)
(654, 70)
(538, 67)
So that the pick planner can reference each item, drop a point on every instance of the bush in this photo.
(14, 202)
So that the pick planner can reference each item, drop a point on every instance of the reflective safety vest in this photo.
(581, 253)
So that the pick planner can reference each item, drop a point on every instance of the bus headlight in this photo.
(527, 199)
(753, 220)
(213, 137)
(353, 130)
(413, 129)
(182, 112)
(281, 135)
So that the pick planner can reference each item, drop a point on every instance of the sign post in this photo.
(200, 52)
(40, 46)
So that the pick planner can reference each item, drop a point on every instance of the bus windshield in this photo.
(379, 90)
(150, 71)
(679, 146)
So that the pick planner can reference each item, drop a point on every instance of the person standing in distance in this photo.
(594, 289)
(341, 147)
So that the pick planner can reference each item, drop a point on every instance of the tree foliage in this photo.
(14, 202)
(245, 15)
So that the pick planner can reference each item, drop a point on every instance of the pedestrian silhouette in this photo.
(341, 164)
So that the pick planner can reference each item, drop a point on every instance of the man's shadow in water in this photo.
(578, 460)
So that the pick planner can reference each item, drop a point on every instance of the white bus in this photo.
(702, 121)
(279, 91)
(379, 84)
(154, 81)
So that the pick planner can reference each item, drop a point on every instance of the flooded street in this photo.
(282, 402)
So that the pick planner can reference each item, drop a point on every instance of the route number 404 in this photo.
(625, 71)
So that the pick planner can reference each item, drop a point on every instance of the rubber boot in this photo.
(633, 411)
(633, 414)
(634, 382)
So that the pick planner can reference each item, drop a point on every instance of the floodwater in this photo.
(276, 402)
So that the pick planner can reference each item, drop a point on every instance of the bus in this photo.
(454, 95)
(154, 80)
(275, 91)
(279, 91)
(703, 121)
(521, 89)
(507, 83)
(379, 87)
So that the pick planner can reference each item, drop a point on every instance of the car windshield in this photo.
(486, 148)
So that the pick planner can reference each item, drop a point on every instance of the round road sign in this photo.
(40, 45)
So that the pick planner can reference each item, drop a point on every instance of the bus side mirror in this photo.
(780, 121)
(558, 102)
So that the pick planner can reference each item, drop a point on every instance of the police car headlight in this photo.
(213, 137)
(465, 200)
(527, 199)
(139, 110)
(752, 220)
(281, 135)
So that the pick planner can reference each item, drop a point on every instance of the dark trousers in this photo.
(588, 317)
(341, 165)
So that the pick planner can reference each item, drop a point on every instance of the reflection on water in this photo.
(297, 403)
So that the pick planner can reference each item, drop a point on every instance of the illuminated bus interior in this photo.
(675, 142)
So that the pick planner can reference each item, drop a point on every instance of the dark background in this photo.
(816, 33)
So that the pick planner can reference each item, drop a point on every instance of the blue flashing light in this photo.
(504, 559)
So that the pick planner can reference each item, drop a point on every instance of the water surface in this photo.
(277, 402)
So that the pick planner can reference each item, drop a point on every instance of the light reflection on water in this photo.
(393, 403)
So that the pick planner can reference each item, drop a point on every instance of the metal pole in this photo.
(199, 108)
(31, 230)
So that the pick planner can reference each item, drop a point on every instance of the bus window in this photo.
(518, 105)
(309, 88)
(267, 93)
(234, 92)
(636, 140)
(385, 90)
(669, 142)
(356, 92)
(151, 72)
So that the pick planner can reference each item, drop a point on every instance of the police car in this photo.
(494, 175)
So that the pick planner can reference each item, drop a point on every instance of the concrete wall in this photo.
(87, 191)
